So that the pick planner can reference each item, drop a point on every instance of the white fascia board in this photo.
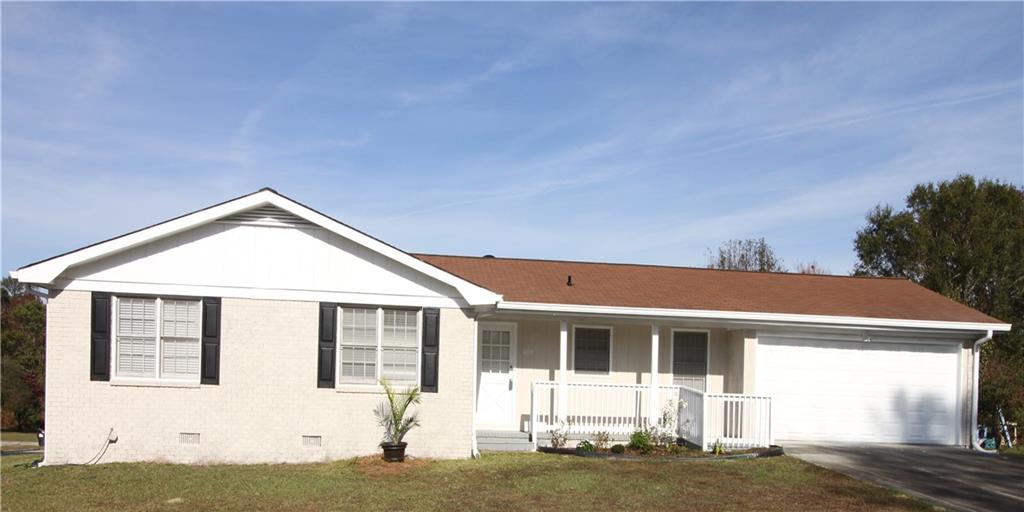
(45, 272)
(781, 318)
(473, 294)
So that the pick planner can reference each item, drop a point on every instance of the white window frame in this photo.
(611, 349)
(707, 353)
(342, 385)
(159, 379)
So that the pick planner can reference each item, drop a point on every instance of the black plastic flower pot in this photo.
(394, 452)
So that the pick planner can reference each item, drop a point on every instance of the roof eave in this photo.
(751, 317)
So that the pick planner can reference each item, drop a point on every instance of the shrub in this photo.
(585, 446)
(618, 448)
(717, 448)
(675, 449)
(601, 440)
(560, 434)
(640, 440)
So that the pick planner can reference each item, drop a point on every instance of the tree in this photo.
(22, 363)
(752, 254)
(11, 287)
(811, 268)
(963, 238)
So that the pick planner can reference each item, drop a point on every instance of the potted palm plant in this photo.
(394, 416)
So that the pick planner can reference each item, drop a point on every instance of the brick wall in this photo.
(266, 401)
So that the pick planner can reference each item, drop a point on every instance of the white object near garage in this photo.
(861, 391)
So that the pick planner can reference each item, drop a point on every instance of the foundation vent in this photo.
(313, 441)
(188, 437)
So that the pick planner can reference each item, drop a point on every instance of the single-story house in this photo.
(257, 330)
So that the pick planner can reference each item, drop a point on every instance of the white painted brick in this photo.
(266, 401)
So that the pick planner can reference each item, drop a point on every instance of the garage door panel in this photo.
(825, 390)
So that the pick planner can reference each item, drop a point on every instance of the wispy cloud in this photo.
(843, 116)
(459, 86)
(519, 191)
(105, 62)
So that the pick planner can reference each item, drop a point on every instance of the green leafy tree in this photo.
(753, 254)
(963, 238)
(22, 357)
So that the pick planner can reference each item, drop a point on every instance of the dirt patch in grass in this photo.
(375, 466)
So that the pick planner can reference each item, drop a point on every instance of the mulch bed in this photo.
(773, 451)
(376, 466)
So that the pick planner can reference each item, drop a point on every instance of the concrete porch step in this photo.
(503, 441)
(502, 434)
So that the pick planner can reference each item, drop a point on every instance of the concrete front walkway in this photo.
(954, 478)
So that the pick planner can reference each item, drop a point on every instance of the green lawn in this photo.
(22, 437)
(1016, 451)
(527, 481)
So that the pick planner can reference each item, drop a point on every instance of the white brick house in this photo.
(256, 330)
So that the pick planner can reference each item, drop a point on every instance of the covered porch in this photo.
(588, 375)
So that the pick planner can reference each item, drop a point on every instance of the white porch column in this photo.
(563, 369)
(654, 413)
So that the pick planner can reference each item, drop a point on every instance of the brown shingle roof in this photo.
(651, 286)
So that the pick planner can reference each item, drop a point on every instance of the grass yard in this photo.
(1016, 451)
(19, 437)
(523, 481)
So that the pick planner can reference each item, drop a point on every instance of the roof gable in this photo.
(263, 207)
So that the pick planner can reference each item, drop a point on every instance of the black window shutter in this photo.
(326, 346)
(210, 358)
(431, 339)
(99, 347)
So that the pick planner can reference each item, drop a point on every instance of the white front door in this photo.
(495, 402)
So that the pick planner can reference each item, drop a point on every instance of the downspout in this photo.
(976, 361)
(474, 448)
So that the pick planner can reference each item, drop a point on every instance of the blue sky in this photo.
(636, 133)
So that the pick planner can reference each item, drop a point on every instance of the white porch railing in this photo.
(736, 421)
(596, 407)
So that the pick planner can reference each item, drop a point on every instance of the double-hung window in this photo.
(592, 349)
(157, 338)
(378, 343)
(690, 359)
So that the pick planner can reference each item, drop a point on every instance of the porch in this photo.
(587, 376)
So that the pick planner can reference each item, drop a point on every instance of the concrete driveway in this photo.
(954, 478)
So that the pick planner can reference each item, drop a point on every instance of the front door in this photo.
(495, 403)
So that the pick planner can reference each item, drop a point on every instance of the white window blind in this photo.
(359, 345)
(399, 346)
(180, 342)
(377, 343)
(136, 337)
(158, 338)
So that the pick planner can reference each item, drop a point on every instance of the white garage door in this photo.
(857, 391)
